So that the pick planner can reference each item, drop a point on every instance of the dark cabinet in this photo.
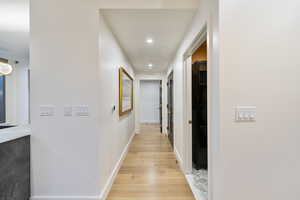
(15, 169)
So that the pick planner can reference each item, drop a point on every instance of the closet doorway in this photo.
(199, 118)
(199, 109)
(196, 162)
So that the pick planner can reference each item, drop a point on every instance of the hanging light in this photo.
(5, 67)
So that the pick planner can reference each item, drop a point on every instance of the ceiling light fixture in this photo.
(150, 65)
(149, 41)
(5, 67)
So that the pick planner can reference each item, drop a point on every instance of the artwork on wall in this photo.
(125, 92)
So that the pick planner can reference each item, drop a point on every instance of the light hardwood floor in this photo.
(150, 171)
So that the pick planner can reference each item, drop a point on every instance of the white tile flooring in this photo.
(198, 182)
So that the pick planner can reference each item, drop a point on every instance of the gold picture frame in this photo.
(125, 92)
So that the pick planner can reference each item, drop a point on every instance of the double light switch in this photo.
(245, 113)
(78, 111)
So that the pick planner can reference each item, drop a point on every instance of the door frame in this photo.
(142, 77)
(187, 100)
(205, 34)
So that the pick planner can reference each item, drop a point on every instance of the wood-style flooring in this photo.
(150, 171)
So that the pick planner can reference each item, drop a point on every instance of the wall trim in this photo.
(106, 188)
(188, 177)
(137, 131)
(179, 159)
(114, 173)
(65, 198)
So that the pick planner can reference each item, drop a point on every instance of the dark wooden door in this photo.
(170, 109)
(160, 106)
(199, 112)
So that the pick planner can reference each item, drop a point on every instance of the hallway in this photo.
(149, 171)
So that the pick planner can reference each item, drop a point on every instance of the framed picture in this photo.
(125, 92)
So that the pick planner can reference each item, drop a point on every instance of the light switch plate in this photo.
(47, 110)
(245, 113)
(81, 111)
(68, 111)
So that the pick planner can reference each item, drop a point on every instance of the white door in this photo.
(149, 101)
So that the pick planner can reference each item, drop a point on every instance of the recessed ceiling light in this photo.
(149, 40)
(150, 65)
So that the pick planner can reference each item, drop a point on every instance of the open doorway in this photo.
(196, 162)
(150, 103)
(199, 118)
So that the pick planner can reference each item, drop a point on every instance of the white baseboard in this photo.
(107, 186)
(197, 194)
(179, 159)
(65, 198)
(114, 173)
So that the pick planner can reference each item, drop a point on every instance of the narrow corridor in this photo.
(150, 171)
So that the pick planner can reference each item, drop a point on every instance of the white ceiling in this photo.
(133, 27)
(14, 28)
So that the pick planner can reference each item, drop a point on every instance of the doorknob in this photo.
(190, 122)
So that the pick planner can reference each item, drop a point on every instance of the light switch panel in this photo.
(47, 110)
(81, 111)
(245, 113)
(68, 111)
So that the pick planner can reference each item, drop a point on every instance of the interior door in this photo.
(160, 105)
(170, 109)
(149, 101)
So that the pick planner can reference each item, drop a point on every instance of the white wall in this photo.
(259, 65)
(11, 98)
(74, 61)
(17, 93)
(64, 71)
(253, 53)
(207, 14)
(22, 102)
(149, 101)
(115, 131)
